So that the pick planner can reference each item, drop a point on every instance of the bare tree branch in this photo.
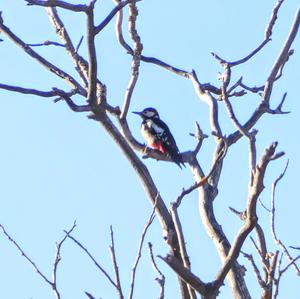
(36, 268)
(245, 59)
(94, 260)
(136, 58)
(251, 218)
(276, 239)
(204, 179)
(182, 247)
(95, 92)
(90, 295)
(255, 268)
(40, 93)
(211, 102)
(278, 110)
(115, 10)
(70, 103)
(264, 105)
(58, 259)
(115, 264)
(294, 247)
(268, 34)
(80, 63)
(47, 43)
(269, 28)
(58, 3)
(92, 82)
(48, 65)
(263, 252)
(139, 254)
(187, 275)
(161, 279)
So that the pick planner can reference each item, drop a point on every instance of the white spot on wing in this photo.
(155, 127)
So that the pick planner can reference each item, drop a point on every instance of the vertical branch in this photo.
(252, 154)
(119, 32)
(263, 251)
(57, 260)
(210, 100)
(281, 59)
(276, 239)
(92, 82)
(162, 279)
(182, 247)
(269, 28)
(136, 58)
(115, 264)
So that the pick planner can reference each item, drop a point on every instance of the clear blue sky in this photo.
(57, 166)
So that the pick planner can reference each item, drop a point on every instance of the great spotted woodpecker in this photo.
(158, 136)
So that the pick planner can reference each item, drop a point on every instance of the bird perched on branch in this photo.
(158, 135)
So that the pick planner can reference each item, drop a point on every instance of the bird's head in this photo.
(148, 113)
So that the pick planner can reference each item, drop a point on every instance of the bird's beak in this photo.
(136, 112)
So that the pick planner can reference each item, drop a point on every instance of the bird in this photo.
(158, 136)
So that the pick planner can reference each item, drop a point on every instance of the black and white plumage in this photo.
(158, 135)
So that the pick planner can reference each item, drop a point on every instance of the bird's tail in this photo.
(177, 158)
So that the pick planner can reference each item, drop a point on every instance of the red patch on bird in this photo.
(158, 146)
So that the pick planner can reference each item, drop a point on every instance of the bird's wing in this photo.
(166, 136)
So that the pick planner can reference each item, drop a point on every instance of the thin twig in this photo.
(243, 60)
(139, 254)
(115, 10)
(36, 268)
(48, 65)
(58, 3)
(277, 281)
(269, 28)
(251, 219)
(47, 43)
(264, 206)
(162, 279)
(273, 209)
(57, 259)
(255, 268)
(40, 93)
(291, 263)
(263, 252)
(268, 34)
(295, 247)
(153, 60)
(79, 244)
(206, 97)
(278, 109)
(268, 87)
(62, 32)
(200, 136)
(79, 44)
(220, 157)
(90, 295)
(70, 103)
(115, 264)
